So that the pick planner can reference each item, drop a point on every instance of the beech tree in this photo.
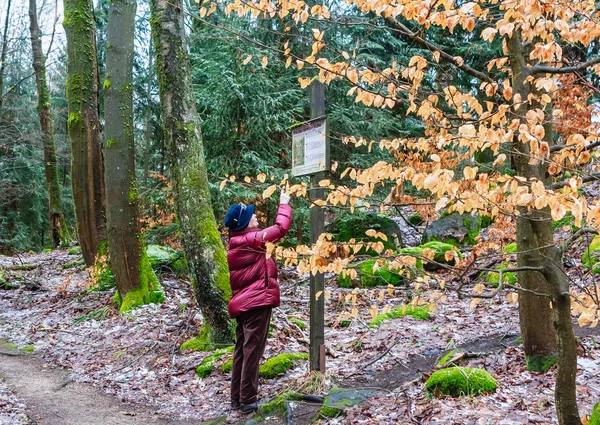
(506, 109)
(202, 243)
(59, 232)
(134, 278)
(84, 128)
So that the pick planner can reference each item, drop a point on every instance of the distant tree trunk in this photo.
(59, 231)
(134, 278)
(3, 54)
(87, 168)
(204, 250)
(148, 132)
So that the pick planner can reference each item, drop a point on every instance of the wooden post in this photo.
(317, 226)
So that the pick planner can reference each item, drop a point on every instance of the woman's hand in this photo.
(284, 198)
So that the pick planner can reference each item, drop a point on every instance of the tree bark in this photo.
(565, 393)
(3, 54)
(202, 243)
(135, 281)
(85, 133)
(534, 230)
(59, 231)
(148, 133)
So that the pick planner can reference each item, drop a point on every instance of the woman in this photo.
(255, 291)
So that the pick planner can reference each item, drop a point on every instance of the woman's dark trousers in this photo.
(251, 338)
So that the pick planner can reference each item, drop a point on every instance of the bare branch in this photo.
(591, 146)
(563, 183)
(565, 245)
(541, 69)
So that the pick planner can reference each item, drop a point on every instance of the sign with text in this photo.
(310, 148)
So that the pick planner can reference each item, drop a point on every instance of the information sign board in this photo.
(310, 148)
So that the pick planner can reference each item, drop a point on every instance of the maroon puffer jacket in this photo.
(253, 277)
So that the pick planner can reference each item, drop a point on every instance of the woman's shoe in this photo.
(249, 408)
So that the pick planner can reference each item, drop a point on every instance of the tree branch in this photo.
(591, 146)
(541, 69)
(443, 55)
(585, 230)
(563, 183)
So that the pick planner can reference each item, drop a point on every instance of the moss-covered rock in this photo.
(439, 257)
(207, 366)
(456, 229)
(340, 399)
(415, 219)
(591, 256)
(163, 257)
(354, 226)
(383, 276)
(540, 364)
(418, 312)
(277, 365)
(278, 406)
(511, 248)
(595, 415)
(508, 277)
(459, 381)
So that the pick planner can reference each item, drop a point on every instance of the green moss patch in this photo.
(227, 366)
(277, 365)
(540, 363)
(149, 291)
(445, 359)
(511, 248)
(278, 406)
(203, 342)
(595, 416)
(298, 322)
(508, 277)
(207, 366)
(418, 312)
(440, 249)
(459, 381)
(76, 250)
(591, 256)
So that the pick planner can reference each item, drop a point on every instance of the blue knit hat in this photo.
(239, 216)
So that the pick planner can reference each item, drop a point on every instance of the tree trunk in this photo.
(204, 250)
(3, 54)
(565, 393)
(87, 168)
(135, 281)
(534, 230)
(59, 231)
(148, 133)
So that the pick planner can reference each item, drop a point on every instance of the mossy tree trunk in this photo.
(85, 133)
(135, 281)
(3, 54)
(59, 231)
(204, 250)
(545, 329)
(148, 130)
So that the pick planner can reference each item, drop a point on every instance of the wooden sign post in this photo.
(310, 156)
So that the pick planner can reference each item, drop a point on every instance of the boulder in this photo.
(456, 229)
(354, 226)
(459, 381)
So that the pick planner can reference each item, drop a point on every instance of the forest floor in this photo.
(135, 359)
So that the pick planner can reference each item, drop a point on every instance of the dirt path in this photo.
(52, 399)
